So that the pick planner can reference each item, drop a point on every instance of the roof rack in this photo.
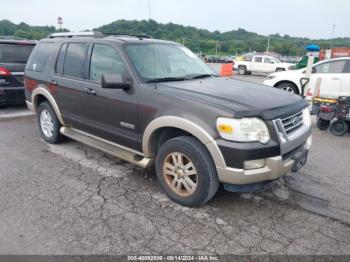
(6, 37)
(126, 34)
(76, 34)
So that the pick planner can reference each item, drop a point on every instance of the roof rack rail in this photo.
(126, 34)
(76, 34)
(8, 37)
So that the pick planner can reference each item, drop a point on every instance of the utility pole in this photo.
(268, 45)
(216, 48)
(183, 41)
(332, 36)
(149, 10)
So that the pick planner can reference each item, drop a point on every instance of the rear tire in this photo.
(242, 70)
(339, 128)
(323, 124)
(180, 160)
(49, 125)
(288, 87)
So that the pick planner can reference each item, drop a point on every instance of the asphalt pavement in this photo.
(72, 199)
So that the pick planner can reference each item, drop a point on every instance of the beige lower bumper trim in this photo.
(275, 168)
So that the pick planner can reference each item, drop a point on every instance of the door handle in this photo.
(90, 91)
(335, 78)
(53, 82)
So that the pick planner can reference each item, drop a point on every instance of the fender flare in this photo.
(41, 90)
(185, 125)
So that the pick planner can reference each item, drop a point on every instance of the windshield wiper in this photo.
(166, 79)
(203, 76)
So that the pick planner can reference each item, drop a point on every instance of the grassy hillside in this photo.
(199, 40)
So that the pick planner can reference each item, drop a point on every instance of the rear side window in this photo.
(258, 59)
(39, 57)
(60, 59)
(347, 67)
(15, 54)
(74, 60)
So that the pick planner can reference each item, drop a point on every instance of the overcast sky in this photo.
(310, 18)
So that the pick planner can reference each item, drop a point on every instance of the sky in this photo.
(303, 18)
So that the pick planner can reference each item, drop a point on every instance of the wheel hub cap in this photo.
(180, 174)
(46, 123)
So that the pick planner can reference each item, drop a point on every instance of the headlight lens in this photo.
(243, 130)
(307, 117)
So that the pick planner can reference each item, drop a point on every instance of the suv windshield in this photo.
(15, 54)
(166, 62)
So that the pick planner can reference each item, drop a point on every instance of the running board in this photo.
(108, 147)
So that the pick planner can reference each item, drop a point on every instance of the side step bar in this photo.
(108, 147)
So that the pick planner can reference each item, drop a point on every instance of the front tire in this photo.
(242, 70)
(49, 125)
(288, 87)
(339, 128)
(186, 171)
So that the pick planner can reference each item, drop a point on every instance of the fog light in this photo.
(308, 142)
(254, 164)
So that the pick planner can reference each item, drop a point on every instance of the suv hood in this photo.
(243, 99)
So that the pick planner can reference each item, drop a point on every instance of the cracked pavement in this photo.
(72, 199)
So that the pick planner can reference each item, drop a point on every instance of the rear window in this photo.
(39, 57)
(14, 54)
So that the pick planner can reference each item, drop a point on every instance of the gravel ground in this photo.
(72, 199)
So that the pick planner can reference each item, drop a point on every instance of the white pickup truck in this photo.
(261, 64)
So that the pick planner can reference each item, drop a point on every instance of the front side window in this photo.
(74, 60)
(105, 60)
(161, 61)
(268, 60)
(332, 67)
(39, 57)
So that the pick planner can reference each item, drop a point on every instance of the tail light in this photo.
(309, 93)
(4, 71)
(326, 109)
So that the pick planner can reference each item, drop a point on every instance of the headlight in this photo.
(243, 130)
(307, 117)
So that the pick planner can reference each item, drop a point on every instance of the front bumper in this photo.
(274, 168)
(12, 95)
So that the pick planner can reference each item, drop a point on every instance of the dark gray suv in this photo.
(153, 102)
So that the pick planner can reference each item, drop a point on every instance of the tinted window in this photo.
(39, 57)
(15, 53)
(333, 67)
(347, 67)
(258, 59)
(268, 60)
(74, 61)
(105, 60)
(60, 59)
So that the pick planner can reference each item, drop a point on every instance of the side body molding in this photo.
(41, 90)
(186, 125)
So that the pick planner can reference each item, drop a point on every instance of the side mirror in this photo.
(272, 62)
(314, 70)
(114, 81)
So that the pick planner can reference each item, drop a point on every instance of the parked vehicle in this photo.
(14, 54)
(333, 114)
(151, 102)
(261, 64)
(330, 78)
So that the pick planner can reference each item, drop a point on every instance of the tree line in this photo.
(198, 40)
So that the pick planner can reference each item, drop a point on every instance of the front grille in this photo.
(292, 123)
